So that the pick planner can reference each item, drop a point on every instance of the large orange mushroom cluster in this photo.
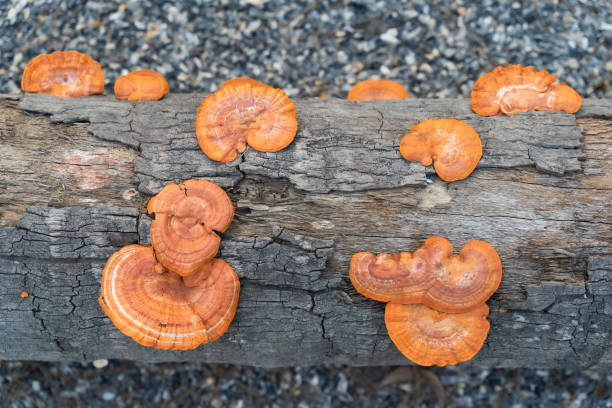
(175, 294)
(436, 311)
(516, 88)
(244, 111)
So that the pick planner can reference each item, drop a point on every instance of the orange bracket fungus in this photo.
(241, 81)
(155, 308)
(428, 337)
(63, 73)
(453, 146)
(186, 218)
(141, 85)
(515, 89)
(245, 111)
(374, 89)
(431, 275)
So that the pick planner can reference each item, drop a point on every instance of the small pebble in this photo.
(100, 363)
(109, 395)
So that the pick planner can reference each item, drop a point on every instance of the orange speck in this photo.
(503, 310)
(24, 294)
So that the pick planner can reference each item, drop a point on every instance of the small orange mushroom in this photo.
(431, 275)
(516, 88)
(452, 145)
(245, 111)
(158, 309)
(241, 81)
(186, 218)
(63, 73)
(375, 89)
(141, 85)
(428, 337)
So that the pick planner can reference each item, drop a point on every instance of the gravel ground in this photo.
(435, 48)
(129, 384)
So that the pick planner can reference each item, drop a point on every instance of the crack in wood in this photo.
(301, 214)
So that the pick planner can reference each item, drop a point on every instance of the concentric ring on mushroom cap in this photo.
(158, 310)
(186, 216)
(141, 85)
(198, 277)
(452, 145)
(516, 88)
(377, 89)
(63, 73)
(259, 115)
(428, 337)
(432, 275)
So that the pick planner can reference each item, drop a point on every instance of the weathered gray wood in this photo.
(343, 145)
(539, 195)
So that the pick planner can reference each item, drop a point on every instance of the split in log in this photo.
(75, 187)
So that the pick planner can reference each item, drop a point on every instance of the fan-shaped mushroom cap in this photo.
(428, 337)
(157, 309)
(186, 216)
(63, 73)
(141, 85)
(515, 89)
(374, 89)
(241, 81)
(453, 146)
(431, 275)
(242, 113)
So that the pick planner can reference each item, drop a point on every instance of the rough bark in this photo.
(75, 187)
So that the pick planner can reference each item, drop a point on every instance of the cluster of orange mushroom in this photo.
(436, 311)
(71, 74)
(508, 90)
(453, 146)
(175, 294)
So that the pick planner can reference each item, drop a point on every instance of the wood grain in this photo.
(76, 175)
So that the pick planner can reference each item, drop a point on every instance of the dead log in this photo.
(75, 176)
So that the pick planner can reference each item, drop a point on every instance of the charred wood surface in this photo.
(75, 176)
